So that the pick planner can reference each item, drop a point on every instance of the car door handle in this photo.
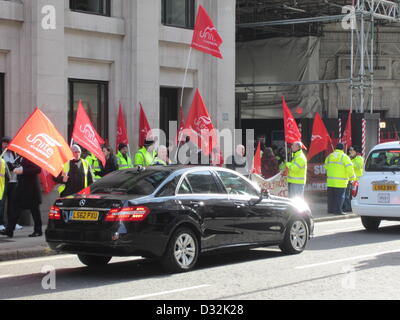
(239, 205)
(196, 204)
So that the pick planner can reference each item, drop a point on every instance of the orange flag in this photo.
(40, 142)
(257, 161)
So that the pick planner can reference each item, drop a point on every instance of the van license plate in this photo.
(383, 197)
(384, 187)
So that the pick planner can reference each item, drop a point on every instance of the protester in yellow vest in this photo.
(2, 180)
(76, 175)
(162, 157)
(94, 163)
(297, 171)
(124, 160)
(358, 163)
(339, 171)
(144, 157)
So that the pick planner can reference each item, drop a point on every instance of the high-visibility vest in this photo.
(86, 170)
(2, 177)
(358, 163)
(95, 165)
(339, 169)
(144, 158)
(159, 162)
(124, 163)
(297, 173)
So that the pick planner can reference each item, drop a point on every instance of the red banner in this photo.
(320, 140)
(292, 133)
(205, 36)
(40, 142)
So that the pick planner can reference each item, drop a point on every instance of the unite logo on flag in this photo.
(202, 123)
(207, 35)
(43, 144)
(89, 134)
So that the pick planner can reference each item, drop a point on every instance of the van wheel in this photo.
(371, 223)
(94, 261)
(296, 237)
(182, 251)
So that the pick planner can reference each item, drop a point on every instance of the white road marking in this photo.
(339, 230)
(57, 257)
(6, 276)
(166, 292)
(346, 259)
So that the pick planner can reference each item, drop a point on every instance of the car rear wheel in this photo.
(94, 261)
(296, 237)
(182, 251)
(371, 223)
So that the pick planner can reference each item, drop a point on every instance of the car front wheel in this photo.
(296, 237)
(94, 261)
(371, 223)
(182, 251)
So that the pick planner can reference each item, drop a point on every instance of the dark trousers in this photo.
(8, 198)
(13, 219)
(335, 200)
(347, 199)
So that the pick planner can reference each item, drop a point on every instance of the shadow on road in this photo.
(69, 279)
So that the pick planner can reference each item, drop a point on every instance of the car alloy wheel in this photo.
(185, 250)
(298, 235)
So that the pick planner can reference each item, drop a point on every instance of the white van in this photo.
(378, 195)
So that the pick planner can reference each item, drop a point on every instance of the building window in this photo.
(2, 113)
(178, 13)
(100, 7)
(94, 96)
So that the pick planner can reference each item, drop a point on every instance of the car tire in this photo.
(94, 261)
(182, 251)
(296, 237)
(371, 223)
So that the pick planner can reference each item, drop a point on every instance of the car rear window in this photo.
(383, 160)
(130, 182)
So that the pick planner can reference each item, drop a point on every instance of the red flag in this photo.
(257, 161)
(205, 36)
(200, 125)
(47, 182)
(86, 136)
(292, 133)
(122, 135)
(144, 127)
(40, 142)
(346, 138)
(320, 139)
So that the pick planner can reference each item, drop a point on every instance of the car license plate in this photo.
(383, 197)
(384, 187)
(85, 216)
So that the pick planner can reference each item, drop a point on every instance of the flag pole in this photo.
(185, 76)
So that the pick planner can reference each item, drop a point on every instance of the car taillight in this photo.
(55, 213)
(354, 189)
(85, 191)
(130, 214)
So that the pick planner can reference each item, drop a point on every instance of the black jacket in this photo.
(111, 165)
(28, 193)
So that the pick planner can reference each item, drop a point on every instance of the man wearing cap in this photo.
(339, 171)
(297, 171)
(144, 157)
(76, 175)
(124, 160)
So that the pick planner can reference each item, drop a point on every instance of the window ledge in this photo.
(175, 34)
(11, 11)
(94, 23)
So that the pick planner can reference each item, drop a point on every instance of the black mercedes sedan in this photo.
(174, 214)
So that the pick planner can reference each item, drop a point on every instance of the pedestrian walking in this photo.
(11, 183)
(111, 161)
(124, 160)
(339, 171)
(269, 164)
(76, 175)
(297, 171)
(28, 196)
(358, 163)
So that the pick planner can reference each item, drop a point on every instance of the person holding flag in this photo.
(76, 175)
(144, 157)
(297, 171)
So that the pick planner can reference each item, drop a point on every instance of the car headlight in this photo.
(301, 205)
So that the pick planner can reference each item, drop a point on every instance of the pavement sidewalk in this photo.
(23, 247)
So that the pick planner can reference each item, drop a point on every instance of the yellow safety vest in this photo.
(66, 171)
(144, 158)
(2, 177)
(124, 163)
(95, 164)
(358, 163)
(297, 173)
(339, 169)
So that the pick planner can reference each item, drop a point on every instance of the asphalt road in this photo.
(342, 261)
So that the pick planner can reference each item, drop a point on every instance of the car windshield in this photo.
(384, 160)
(130, 182)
